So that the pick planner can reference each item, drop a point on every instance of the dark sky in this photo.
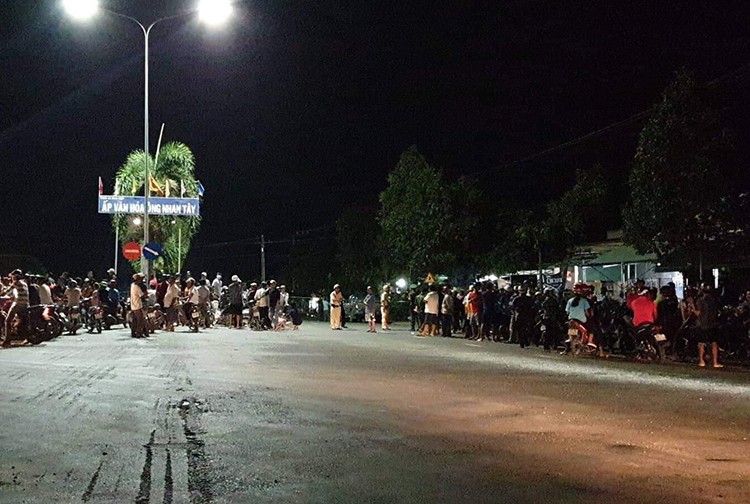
(300, 108)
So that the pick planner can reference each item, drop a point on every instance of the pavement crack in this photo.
(92, 484)
(168, 480)
(144, 494)
(199, 466)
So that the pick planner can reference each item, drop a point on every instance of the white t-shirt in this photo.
(261, 298)
(45, 294)
(431, 303)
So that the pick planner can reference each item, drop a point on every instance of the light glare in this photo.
(401, 283)
(214, 12)
(81, 9)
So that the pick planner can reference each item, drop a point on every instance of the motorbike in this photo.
(155, 319)
(580, 340)
(73, 320)
(194, 319)
(651, 344)
(28, 325)
(116, 316)
(95, 320)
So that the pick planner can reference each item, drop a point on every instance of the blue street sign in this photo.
(152, 251)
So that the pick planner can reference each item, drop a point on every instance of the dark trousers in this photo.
(265, 322)
(522, 328)
(447, 325)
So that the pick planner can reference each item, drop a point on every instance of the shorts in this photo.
(370, 317)
(233, 309)
(430, 318)
(707, 335)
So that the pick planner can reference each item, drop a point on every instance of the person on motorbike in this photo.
(644, 309)
(20, 293)
(113, 298)
(45, 293)
(578, 308)
(72, 295)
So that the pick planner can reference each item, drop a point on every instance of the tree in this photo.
(525, 239)
(426, 221)
(174, 172)
(679, 175)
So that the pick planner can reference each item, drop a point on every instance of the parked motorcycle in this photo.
(74, 320)
(95, 320)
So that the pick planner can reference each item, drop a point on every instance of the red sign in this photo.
(131, 251)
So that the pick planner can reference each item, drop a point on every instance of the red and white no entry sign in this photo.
(131, 251)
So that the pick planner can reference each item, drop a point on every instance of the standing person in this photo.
(261, 301)
(488, 311)
(414, 309)
(171, 301)
(283, 299)
(273, 301)
(161, 291)
(216, 286)
(337, 300)
(707, 322)
(192, 298)
(668, 315)
(234, 310)
(385, 308)
(523, 323)
(137, 295)
(204, 298)
(447, 311)
(431, 309)
(472, 307)
(371, 308)
(20, 304)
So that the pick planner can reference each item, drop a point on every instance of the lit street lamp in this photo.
(211, 12)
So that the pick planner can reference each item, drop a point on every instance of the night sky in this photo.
(300, 108)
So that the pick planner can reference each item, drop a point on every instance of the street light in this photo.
(211, 12)
(81, 10)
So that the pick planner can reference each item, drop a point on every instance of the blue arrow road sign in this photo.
(152, 251)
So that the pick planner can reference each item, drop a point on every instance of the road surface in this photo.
(321, 416)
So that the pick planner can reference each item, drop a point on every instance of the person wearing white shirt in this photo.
(261, 301)
(431, 307)
(216, 287)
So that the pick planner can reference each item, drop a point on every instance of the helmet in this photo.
(581, 288)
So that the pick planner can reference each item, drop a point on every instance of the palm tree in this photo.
(173, 173)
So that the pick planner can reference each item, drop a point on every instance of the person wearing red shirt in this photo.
(644, 309)
(473, 303)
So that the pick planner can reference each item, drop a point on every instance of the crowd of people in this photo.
(523, 314)
(528, 316)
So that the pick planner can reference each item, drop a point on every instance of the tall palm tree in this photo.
(174, 172)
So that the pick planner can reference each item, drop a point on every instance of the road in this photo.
(321, 416)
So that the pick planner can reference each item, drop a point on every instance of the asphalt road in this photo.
(317, 416)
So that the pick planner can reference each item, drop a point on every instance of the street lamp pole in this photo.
(212, 12)
(146, 154)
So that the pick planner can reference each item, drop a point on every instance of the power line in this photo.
(737, 74)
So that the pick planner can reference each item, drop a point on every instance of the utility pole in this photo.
(262, 258)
